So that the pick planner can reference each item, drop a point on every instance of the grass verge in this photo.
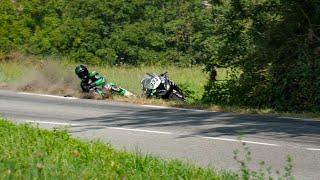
(31, 153)
(56, 76)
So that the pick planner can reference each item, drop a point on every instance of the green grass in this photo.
(130, 77)
(10, 72)
(20, 66)
(56, 76)
(31, 153)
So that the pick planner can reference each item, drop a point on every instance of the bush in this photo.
(275, 46)
(106, 32)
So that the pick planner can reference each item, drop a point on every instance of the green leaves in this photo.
(272, 43)
(135, 32)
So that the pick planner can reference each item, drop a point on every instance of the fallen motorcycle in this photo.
(161, 87)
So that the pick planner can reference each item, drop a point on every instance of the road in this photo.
(203, 138)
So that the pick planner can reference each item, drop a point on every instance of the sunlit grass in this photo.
(18, 67)
(11, 71)
(194, 78)
(129, 77)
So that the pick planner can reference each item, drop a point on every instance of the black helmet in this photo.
(82, 71)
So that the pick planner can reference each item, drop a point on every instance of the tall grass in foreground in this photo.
(31, 153)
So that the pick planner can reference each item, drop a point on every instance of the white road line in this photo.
(116, 128)
(260, 143)
(55, 123)
(313, 149)
(168, 107)
(47, 95)
(196, 110)
(235, 140)
(305, 119)
(163, 132)
(140, 130)
(152, 106)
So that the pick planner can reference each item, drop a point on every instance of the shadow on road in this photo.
(212, 124)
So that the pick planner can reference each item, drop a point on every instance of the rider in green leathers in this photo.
(93, 79)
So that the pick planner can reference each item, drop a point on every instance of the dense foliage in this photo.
(274, 44)
(103, 31)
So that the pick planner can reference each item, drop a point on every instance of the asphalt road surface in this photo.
(207, 139)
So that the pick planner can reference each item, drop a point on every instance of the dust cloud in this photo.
(51, 78)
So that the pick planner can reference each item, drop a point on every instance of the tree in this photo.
(275, 45)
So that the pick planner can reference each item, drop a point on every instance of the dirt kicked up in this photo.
(50, 78)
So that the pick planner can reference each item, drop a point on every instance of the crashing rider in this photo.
(90, 80)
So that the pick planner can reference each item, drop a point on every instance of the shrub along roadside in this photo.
(28, 152)
(275, 44)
